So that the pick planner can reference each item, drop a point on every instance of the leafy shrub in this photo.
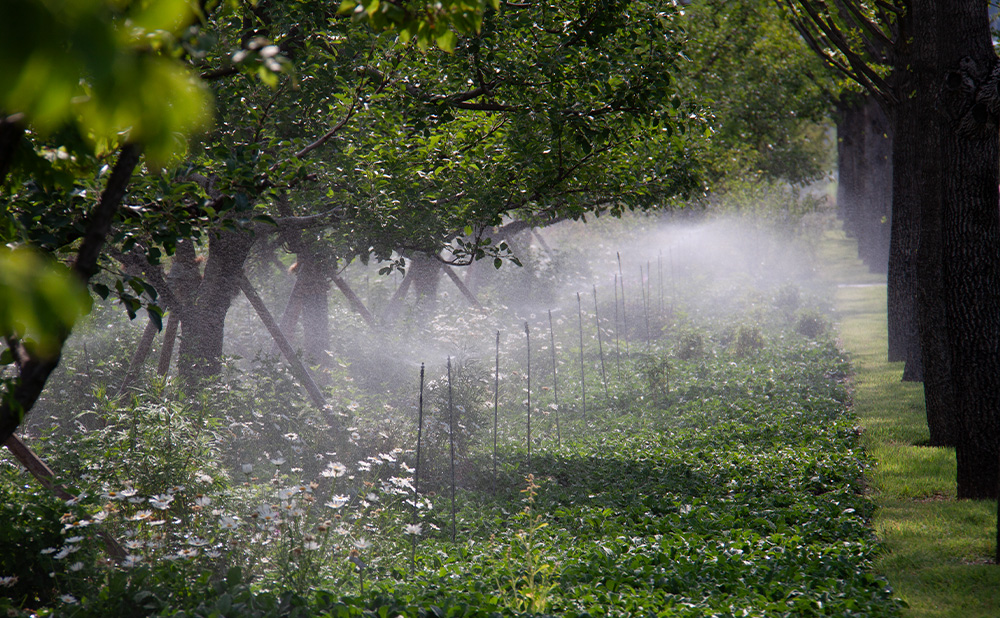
(811, 324)
(788, 298)
(656, 373)
(690, 345)
(749, 341)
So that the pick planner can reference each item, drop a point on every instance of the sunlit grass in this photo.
(937, 549)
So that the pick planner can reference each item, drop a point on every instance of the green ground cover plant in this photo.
(938, 549)
(721, 473)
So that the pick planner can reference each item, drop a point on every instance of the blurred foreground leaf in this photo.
(40, 299)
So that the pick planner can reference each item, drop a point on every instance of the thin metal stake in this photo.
(451, 438)
(583, 379)
(621, 281)
(496, 411)
(600, 346)
(645, 303)
(416, 474)
(618, 350)
(555, 378)
(527, 339)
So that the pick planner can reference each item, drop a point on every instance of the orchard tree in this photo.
(89, 86)
(548, 112)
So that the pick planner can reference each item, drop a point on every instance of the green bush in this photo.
(749, 341)
(811, 324)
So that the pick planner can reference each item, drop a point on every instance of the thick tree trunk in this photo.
(909, 188)
(849, 151)
(315, 306)
(204, 320)
(426, 271)
(876, 198)
(969, 147)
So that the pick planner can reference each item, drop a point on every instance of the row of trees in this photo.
(933, 69)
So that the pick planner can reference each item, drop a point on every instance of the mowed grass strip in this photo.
(938, 550)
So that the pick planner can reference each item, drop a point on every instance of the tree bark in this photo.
(969, 147)
(204, 319)
(426, 271)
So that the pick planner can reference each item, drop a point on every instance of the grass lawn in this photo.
(938, 549)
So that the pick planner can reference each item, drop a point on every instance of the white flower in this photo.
(74, 539)
(8, 581)
(162, 501)
(48, 550)
(337, 501)
(228, 523)
(266, 513)
(286, 493)
(133, 544)
(187, 553)
(201, 477)
(68, 598)
(414, 529)
(362, 544)
(112, 495)
(334, 469)
(213, 553)
(141, 515)
(65, 551)
(292, 437)
(311, 545)
(128, 492)
(99, 517)
(197, 541)
(131, 561)
(76, 566)
(202, 501)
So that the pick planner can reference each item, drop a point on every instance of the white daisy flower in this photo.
(337, 501)
(414, 529)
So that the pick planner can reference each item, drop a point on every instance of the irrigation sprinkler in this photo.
(416, 468)
(527, 340)
(621, 282)
(600, 346)
(555, 379)
(451, 440)
(618, 350)
(583, 380)
(496, 411)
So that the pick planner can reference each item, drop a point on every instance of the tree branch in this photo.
(20, 398)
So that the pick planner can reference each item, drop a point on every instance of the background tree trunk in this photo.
(204, 320)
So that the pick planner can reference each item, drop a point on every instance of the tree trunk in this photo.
(969, 148)
(922, 186)
(426, 271)
(315, 307)
(204, 320)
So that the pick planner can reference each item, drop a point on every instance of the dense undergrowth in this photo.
(715, 471)
(741, 495)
